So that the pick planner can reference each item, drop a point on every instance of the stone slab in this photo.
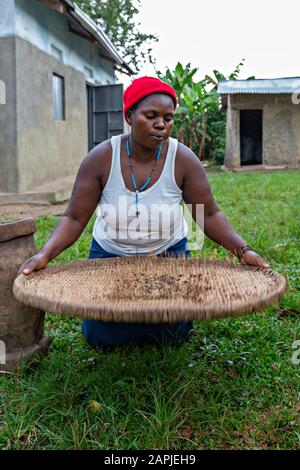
(16, 228)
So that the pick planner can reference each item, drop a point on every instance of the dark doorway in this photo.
(105, 112)
(251, 136)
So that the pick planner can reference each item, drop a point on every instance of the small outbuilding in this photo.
(263, 123)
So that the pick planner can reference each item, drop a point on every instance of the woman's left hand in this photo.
(252, 258)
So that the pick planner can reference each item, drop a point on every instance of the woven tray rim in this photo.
(115, 311)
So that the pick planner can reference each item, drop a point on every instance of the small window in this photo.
(58, 88)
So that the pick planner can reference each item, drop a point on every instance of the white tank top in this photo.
(161, 222)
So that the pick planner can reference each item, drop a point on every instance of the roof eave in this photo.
(86, 23)
(235, 87)
(90, 26)
(256, 92)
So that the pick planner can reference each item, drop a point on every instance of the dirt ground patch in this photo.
(16, 211)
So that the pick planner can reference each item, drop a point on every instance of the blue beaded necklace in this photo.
(144, 186)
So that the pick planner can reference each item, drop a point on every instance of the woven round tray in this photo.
(150, 289)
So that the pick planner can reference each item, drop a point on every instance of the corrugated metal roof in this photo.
(263, 86)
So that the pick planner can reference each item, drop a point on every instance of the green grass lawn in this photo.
(232, 386)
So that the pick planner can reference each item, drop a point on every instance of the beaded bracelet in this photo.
(240, 252)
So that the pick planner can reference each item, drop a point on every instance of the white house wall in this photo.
(7, 18)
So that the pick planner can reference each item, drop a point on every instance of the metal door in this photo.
(105, 112)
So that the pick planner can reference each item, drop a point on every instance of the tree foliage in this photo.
(117, 18)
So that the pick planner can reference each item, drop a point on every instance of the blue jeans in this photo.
(109, 335)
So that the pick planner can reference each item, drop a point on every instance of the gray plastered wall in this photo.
(34, 148)
(47, 149)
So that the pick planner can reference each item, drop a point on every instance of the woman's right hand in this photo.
(38, 261)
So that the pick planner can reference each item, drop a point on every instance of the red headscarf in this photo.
(145, 86)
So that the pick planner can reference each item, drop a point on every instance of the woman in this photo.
(138, 178)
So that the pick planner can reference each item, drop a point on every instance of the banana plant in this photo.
(199, 119)
(179, 78)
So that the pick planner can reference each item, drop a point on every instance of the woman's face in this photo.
(152, 121)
